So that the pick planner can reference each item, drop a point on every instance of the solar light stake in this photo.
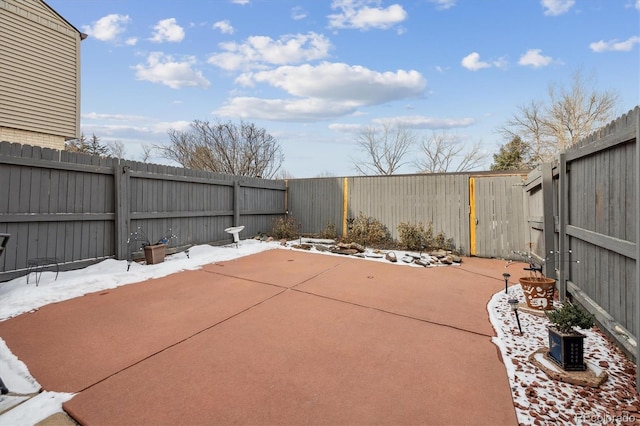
(506, 276)
(514, 307)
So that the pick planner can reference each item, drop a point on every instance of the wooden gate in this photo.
(496, 215)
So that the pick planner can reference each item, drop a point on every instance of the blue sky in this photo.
(313, 72)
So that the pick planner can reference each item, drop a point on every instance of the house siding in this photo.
(26, 137)
(39, 72)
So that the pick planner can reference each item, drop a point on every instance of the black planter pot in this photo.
(567, 349)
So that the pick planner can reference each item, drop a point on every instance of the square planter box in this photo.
(154, 254)
(567, 350)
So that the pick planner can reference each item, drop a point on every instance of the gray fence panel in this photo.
(598, 230)
(601, 200)
(80, 208)
(500, 228)
(441, 199)
(317, 202)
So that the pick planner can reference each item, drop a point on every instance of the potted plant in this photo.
(566, 344)
(153, 253)
(538, 290)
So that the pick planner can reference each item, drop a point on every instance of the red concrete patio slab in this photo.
(448, 294)
(303, 359)
(71, 345)
(280, 267)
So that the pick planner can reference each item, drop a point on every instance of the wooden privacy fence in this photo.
(79, 208)
(483, 213)
(584, 220)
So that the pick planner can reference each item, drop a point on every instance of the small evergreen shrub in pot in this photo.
(566, 344)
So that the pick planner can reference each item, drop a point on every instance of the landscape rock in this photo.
(447, 260)
(351, 246)
(438, 253)
(422, 262)
(391, 257)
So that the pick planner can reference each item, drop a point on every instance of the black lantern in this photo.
(513, 302)
(506, 276)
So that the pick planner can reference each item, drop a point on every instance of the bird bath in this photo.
(235, 230)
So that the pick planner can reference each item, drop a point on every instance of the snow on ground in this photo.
(536, 398)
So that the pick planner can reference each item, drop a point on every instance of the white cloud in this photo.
(357, 14)
(241, 2)
(163, 69)
(556, 7)
(301, 110)
(615, 45)
(225, 27)
(131, 41)
(534, 58)
(423, 122)
(258, 51)
(472, 62)
(346, 128)
(341, 82)
(108, 27)
(326, 91)
(444, 4)
(298, 13)
(638, 4)
(118, 117)
(167, 30)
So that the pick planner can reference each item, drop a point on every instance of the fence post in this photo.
(236, 203)
(637, 301)
(548, 219)
(121, 182)
(563, 218)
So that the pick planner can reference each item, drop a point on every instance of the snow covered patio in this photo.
(280, 336)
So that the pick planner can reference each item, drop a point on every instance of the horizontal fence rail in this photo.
(78, 208)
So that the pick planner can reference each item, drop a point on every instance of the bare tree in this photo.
(528, 124)
(244, 149)
(284, 175)
(147, 153)
(444, 152)
(116, 149)
(570, 115)
(385, 149)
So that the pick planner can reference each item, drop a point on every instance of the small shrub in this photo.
(329, 232)
(368, 231)
(412, 237)
(569, 317)
(417, 237)
(285, 227)
(440, 241)
(428, 236)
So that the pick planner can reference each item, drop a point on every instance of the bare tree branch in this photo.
(570, 115)
(385, 149)
(243, 149)
(444, 152)
(116, 149)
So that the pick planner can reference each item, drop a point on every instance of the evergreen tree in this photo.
(92, 146)
(514, 155)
